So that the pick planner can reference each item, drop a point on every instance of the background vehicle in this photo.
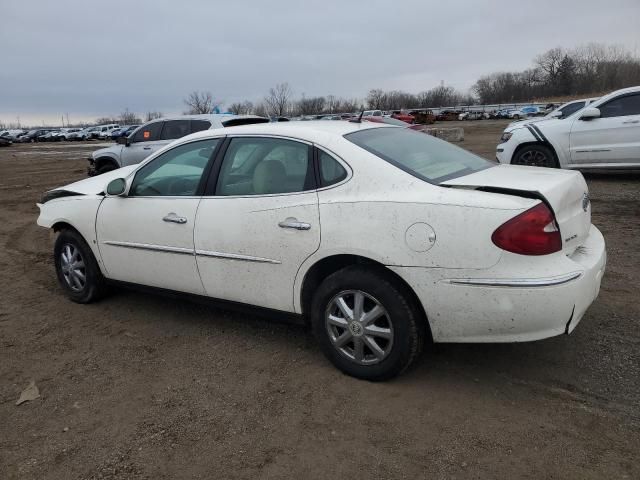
(533, 111)
(154, 135)
(405, 117)
(372, 113)
(32, 135)
(472, 116)
(563, 111)
(104, 131)
(447, 115)
(4, 141)
(278, 224)
(603, 135)
(123, 131)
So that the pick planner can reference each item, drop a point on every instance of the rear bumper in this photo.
(487, 306)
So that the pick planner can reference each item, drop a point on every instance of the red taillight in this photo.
(533, 232)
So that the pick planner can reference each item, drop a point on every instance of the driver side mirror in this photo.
(117, 187)
(590, 113)
(122, 140)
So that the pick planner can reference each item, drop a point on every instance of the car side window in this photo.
(571, 109)
(176, 172)
(264, 166)
(148, 133)
(200, 125)
(621, 106)
(331, 171)
(175, 129)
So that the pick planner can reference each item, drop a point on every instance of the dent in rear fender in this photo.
(79, 212)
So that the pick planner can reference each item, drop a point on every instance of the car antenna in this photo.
(359, 119)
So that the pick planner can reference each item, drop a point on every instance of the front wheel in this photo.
(367, 326)
(535, 156)
(77, 269)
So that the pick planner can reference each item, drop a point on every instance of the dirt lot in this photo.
(142, 386)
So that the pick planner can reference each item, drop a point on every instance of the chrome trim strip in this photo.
(236, 256)
(515, 282)
(153, 248)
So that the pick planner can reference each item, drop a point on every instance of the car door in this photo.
(146, 237)
(144, 141)
(258, 222)
(613, 138)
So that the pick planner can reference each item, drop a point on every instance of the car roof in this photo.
(307, 129)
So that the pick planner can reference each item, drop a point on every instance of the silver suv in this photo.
(154, 135)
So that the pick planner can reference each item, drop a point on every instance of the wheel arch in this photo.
(105, 160)
(536, 142)
(328, 265)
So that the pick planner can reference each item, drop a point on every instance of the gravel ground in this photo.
(144, 386)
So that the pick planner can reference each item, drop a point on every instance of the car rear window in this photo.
(421, 155)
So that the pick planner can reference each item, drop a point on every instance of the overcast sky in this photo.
(90, 59)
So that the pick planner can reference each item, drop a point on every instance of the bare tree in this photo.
(201, 102)
(277, 100)
(241, 108)
(152, 116)
(129, 118)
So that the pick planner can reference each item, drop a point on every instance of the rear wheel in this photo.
(366, 325)
(77, 269)
(535, 156)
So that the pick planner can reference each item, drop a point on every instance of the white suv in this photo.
(154, 135)
(603, 135)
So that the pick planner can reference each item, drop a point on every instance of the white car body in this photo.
(581, 142)
(436, 238)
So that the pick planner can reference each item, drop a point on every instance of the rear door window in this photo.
(175, 129)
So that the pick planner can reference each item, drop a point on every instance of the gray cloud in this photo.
(98, 58)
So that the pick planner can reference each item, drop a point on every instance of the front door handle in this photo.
(173, 218)
(146, 148)
(294, 223)
(632, 121)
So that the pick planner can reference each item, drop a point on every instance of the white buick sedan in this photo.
(382, 237)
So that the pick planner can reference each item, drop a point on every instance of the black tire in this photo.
(106, 167)
(94, 285)
(402, 318)
(535, 156)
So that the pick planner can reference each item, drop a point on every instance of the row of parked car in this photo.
(99, 132)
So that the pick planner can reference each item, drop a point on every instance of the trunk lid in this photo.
(565, 191)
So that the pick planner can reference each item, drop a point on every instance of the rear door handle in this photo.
(173, 218)
(295, 224)
(146, 148)
(632, 121)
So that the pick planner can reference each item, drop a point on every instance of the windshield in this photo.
(421, 155)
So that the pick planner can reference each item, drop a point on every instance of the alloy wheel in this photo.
(359, 327)
(73, 267)
(535, 158)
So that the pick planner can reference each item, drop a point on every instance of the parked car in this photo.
(372, 113)
(603, 135)
(12, 134)
(32, 135)
(4, 141)
(465, 250)
(48, 136)
(154, 135)
(533, 111)
(81, 134)
(403, 116)
(68, 132)
(123, 131)
(447, 115)
(472, 115)
(104, 131)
